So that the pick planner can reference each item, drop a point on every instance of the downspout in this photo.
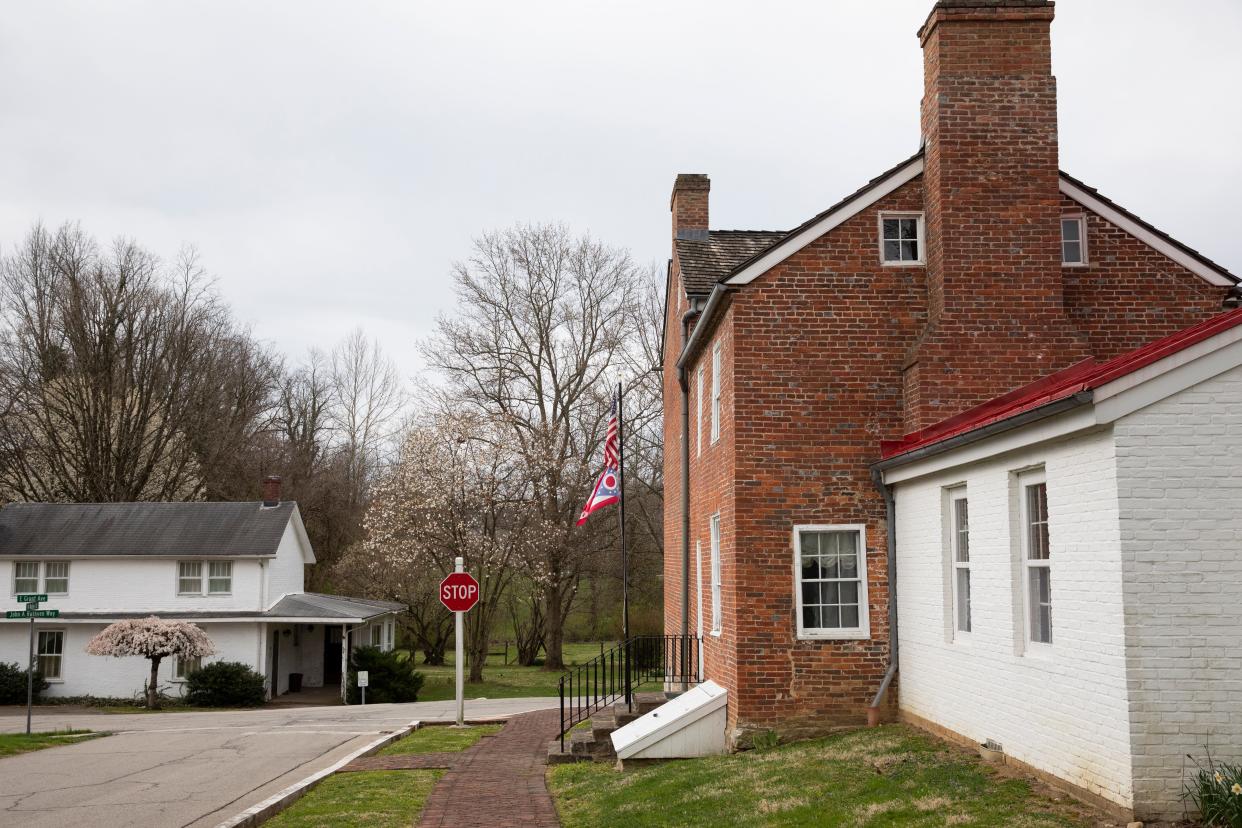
(683, 381)
(890, 512)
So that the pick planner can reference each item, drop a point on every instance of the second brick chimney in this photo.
(271, 491)
(689, 206)
(996, 317)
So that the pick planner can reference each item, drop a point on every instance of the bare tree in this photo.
(542, 322)
(367, 397)
(121, 378)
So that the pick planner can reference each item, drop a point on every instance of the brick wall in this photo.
(1063, 709)
(1129, 294)
(816, 389)
(1178, 466)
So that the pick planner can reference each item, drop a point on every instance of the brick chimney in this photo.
(689, 206)
(271, 491)
(996, 317)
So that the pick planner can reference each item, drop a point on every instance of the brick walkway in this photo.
(408, 761)
(499, 781)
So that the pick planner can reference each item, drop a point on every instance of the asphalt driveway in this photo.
(160, 770)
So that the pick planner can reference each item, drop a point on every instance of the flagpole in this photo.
(625, 561)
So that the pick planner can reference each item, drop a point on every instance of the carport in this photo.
(307, 638)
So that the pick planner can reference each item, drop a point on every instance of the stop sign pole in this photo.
(459, 592)
(460, 624)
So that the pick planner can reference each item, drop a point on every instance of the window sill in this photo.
(903, 264)
(715, 633)
(834, 635)
(1075, 264)
(54, 680)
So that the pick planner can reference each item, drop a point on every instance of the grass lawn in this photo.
(500, 681)
(12, 744)
(366, 799)
(440, 739)
(886, 776)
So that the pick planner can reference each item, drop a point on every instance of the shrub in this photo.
(225, 684)
(1216, 791)
(391, 678)
(13, 684)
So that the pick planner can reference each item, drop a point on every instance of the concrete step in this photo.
(557, 757)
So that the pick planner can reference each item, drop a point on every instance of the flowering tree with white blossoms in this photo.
(152, 638)
(457, 489)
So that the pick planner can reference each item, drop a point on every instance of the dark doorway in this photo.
(331, 655)
(275, 663)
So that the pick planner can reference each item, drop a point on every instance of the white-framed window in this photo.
(717, 583)
(716, 392)
(25, 577)
(377, 635)
(901, 238)
(219, 577)
(55, 577)
(698, 580)
(390, 630)
(50, 653)
(698, 423)
(830, 581)
(959, 558)
(204, 577)
(1036, 555)
(1074, 239)
(189, 577)
(183, 666)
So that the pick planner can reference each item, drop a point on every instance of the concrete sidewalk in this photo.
(194, 769)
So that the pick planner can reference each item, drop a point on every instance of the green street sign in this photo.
(30, 598)
(18, 614)
(32, 614)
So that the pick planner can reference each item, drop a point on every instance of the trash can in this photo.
(295, 682)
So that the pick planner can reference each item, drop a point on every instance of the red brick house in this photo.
(971, 268)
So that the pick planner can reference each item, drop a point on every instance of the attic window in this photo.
(901, 238)
(1073, 240)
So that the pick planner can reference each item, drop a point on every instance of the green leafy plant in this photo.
(391, 678)
(1215, 789)
(13, 684)
(225, 684)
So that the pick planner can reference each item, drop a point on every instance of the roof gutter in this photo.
(1043, 412)
(715, 300)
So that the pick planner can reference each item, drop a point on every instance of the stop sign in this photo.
(459, 591)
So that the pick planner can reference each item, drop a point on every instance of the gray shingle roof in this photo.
(706, 262)
(317, 605)
(152, 529)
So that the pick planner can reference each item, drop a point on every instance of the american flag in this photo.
(612, 457)
(607, 489)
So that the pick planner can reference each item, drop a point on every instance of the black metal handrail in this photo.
(615, 674)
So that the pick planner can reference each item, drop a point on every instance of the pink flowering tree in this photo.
(154, 639)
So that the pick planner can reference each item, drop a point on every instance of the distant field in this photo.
(499, 681)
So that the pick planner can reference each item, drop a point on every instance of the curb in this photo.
(276, 803)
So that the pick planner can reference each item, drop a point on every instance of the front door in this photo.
(331, 655)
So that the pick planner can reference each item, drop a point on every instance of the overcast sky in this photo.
(331, 160)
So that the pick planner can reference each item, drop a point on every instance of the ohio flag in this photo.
(607, 489)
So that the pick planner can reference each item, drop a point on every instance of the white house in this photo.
(235, 569)
(1069, 569)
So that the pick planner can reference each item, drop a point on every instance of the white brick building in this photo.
(235, 569)
(1069, 569)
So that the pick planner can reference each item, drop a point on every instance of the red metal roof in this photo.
(1083, 376)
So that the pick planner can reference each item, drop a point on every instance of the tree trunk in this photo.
(153, 698)
(554, 629)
